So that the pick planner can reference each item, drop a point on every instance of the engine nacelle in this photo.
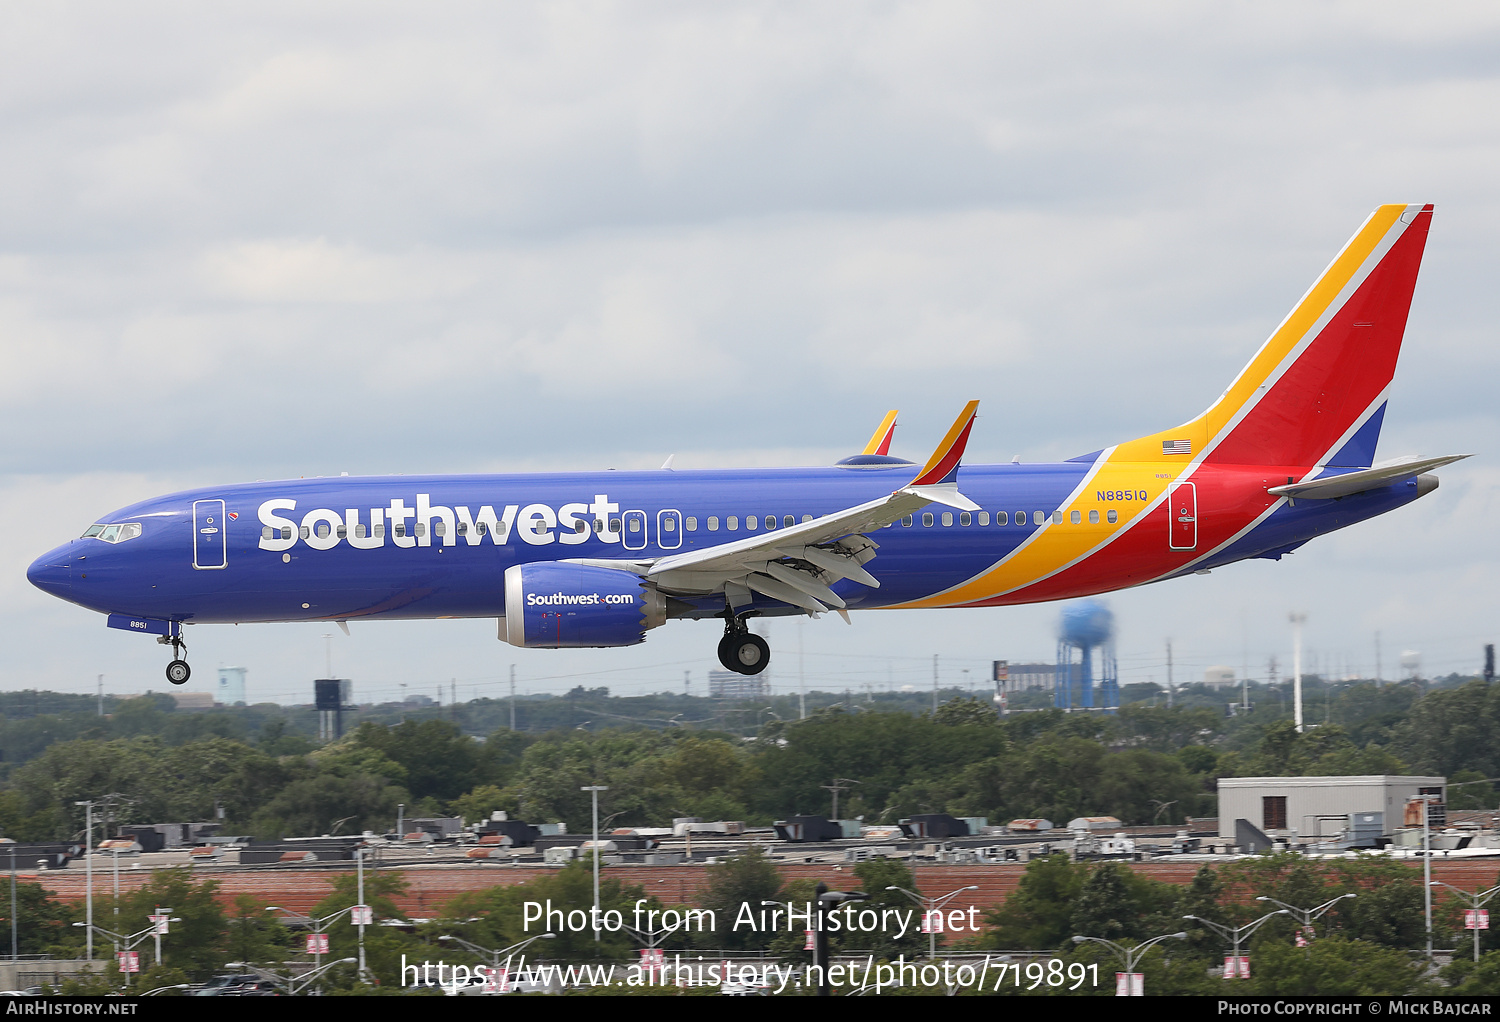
(555, 604)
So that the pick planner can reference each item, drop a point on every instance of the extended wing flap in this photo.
(1331, 487)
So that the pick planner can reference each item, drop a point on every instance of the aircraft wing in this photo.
(796, 564)
(1331, 487)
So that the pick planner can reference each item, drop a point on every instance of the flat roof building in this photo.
(1311, 807)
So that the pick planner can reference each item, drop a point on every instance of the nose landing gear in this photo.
(178, 671)
(741, 650)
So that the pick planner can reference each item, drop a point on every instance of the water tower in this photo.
(1087, 627)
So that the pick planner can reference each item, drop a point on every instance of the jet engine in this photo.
(554, 604)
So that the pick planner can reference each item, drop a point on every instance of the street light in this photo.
(131, 940)
(1131, 957)
(1307, 915)
(930, 905)
(1237, 934)
(318, 927)
(494, 956)
(289, 983)
(1476, 899)
(595, 789)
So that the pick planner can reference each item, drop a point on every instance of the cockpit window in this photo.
(113, 533)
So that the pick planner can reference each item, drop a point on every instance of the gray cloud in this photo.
(284, 241)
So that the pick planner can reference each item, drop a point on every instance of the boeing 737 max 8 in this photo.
(598, 559)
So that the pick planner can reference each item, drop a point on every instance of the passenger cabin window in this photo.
(964, 518)
(926, 519)
(1112, 515)
(635, 525)
(984, 518)
(1038, 517)
(669, 525)
(440, 528)
(614, 525)
(421, 528)
(788, 521)
(343, 531)
(906, 522)
(379, 532)
(692, 524)
(1076, 517)
(751, 522)
(1093, 517)
(1001, 518)
(770, 521)
(806, 519)
(713, 523)
(947, 519)
(1057, 518)
(581, 527)
(305, 532)
(732, 523)
(359, 530)
(286, 531)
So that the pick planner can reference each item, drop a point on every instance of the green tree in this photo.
(1331, 966)
(504, 916)
(1039, 915)
(738, 884)
(44, 925)
(196, 943)
(876, 876)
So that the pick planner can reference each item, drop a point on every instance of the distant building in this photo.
(1026, 676)
(728, 685)
(231, 690)
(1219, 677)
(1311, 807)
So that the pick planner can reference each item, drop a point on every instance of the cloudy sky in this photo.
(303, 239)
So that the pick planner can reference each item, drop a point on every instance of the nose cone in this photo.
(53, 572)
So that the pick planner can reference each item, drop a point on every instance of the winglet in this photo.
(880, 440)
(942, 467)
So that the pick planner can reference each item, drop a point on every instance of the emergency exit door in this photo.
(1182, 503)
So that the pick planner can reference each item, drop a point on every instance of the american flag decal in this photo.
(1177, 447)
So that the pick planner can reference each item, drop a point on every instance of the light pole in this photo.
(595, 789)
(929, 906)
(88, 881)
(494, 956)
(319, 927)
(1237, 934)
(288, 982)
(126, 943)
(1476, 900)
(1306, 915)
(1131, 957)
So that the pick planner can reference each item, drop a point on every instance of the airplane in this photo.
(1285, 454)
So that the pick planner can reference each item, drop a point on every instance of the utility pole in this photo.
(801, 678)
(512, 697)
(934, 683)
(1297, 620)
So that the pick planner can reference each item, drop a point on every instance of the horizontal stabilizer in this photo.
(1329, 487)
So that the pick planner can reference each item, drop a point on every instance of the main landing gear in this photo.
(741, 650)
(178, 671)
